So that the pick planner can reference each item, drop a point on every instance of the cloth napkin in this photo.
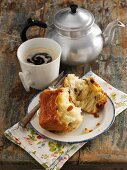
(50, 154)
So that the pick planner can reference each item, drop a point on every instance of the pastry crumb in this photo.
(97, 124)
(96, 115)
(86, 130)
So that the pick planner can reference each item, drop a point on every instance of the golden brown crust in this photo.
(49, 118)
(103, 98)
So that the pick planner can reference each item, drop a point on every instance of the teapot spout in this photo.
(109, 32)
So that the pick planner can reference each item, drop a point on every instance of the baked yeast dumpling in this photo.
(57, 112)
(86, 93)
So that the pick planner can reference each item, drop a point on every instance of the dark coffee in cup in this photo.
(39, 56)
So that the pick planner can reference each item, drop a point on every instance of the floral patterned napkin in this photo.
(50, 154)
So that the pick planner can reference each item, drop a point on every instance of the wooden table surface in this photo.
(108, 151)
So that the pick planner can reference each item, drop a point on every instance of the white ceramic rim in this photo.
(51, 40)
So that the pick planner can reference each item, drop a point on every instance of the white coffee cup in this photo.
(38, 76)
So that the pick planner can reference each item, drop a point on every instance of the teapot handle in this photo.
(30, 22)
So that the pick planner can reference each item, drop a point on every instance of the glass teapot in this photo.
(74, 28)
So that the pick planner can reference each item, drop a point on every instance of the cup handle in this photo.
(30, 22)
(25, 79)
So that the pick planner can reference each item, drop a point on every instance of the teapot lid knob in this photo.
(73, 8)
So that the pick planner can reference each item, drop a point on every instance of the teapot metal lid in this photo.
(73, 19)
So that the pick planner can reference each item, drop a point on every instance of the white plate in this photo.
(106, 119)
